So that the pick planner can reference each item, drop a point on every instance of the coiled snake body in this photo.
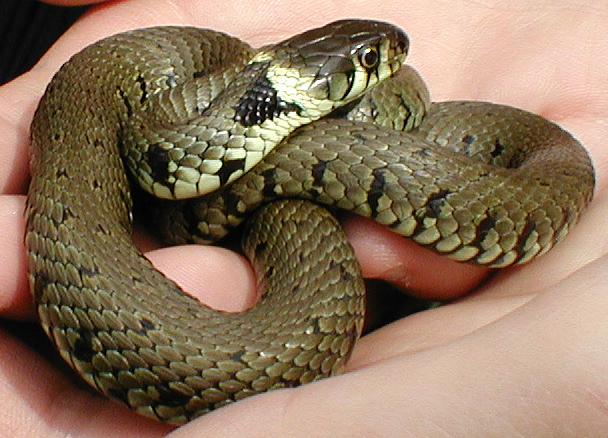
(189, 111)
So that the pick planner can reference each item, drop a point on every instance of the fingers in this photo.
(536, 371)
(224, 280)
(384, 255)
(586, 242)
(16, 114)
(218, 277)
(38, 400)
(15, 299)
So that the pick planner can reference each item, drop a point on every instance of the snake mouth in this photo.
(337, 62)
(372, 52)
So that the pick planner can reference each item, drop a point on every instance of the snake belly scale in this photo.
(222, 132)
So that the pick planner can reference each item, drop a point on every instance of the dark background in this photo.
(27, 30)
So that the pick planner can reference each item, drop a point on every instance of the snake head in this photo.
(330, 66)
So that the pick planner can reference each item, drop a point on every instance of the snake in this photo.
(205, 137)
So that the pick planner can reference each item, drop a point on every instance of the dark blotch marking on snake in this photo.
(158, 160)
(376, 190)
(170, 396)
(569, 217)
(485, 226)
(88, 272)
(146, 324)
(524, 235)
(143, 87)
(436, 202)
(469, 139)
(189, 219)
(261, 102)
(200, 73)
(171, 80)
(318, 173)
(83, 346)
(345, 275)
(260, 248)
(231, 203)
(360, 135)
(424, 152)
(61, 173)
(40, 283)
(125, 100)
(228, 168)
(238, 356)
(270, 183)
(97, 184)
(119, 394)
(315, 326)
(498, 149)
(65, 213)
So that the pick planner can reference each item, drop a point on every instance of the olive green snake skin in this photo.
(190, 111)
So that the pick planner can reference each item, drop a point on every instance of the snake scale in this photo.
(219, 130)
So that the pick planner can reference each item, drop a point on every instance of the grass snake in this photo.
(219, 132)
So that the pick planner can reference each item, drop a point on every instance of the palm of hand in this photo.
(498, 343)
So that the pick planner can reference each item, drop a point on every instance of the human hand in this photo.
(487, 365)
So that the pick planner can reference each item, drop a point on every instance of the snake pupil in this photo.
(369, 57)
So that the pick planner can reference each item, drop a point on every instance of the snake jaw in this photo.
(325, 68)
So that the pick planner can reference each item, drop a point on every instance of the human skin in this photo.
(522, 354)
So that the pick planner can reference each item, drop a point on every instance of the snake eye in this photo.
(369, 57)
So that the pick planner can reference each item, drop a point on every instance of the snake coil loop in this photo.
(219, 130)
